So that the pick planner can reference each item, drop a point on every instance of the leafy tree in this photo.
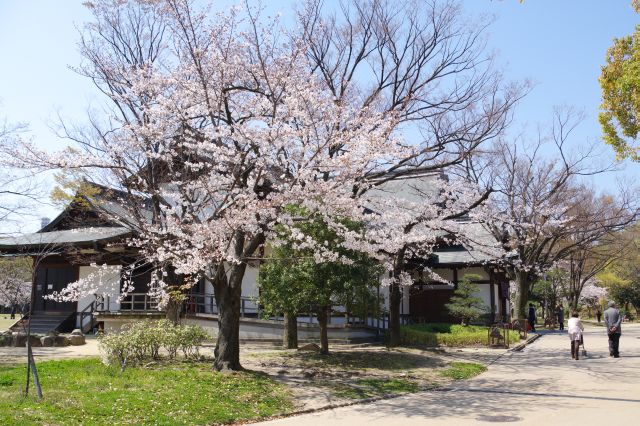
(464, 304)
(293, 281)
(622, 277)
(619, 81)
(551, 288)
(625, 294)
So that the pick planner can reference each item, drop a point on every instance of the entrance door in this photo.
(50, 280)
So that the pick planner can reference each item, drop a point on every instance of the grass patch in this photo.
(371, 387)
(463, 370)
(442, 334)
(87, 392)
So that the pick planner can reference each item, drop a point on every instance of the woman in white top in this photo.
(575, 329)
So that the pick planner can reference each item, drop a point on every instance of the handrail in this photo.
(88, 311)
(205, 303)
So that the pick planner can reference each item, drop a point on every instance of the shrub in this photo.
(465, 304)
(116, 349)
(144, 339)
(443, 334)
(191, 337)
(171, 340)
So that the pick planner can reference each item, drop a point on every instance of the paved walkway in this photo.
(541, 385)
(10, 355)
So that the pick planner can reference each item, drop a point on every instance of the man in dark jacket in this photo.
(560, 316)
(612, 320)
(531, 317)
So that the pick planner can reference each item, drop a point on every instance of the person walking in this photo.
(575, 329)
(599, 315)
(613, 320)
(13, 311)
(531, 317)
(560, 316)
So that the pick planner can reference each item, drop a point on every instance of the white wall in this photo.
(104, 282)
(250, 282)
(485, 294)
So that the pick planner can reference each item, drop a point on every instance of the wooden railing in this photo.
(205, 303)
(88, 312)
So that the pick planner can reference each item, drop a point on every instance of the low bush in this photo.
(143, 340)
(444, 334)
(190, 338)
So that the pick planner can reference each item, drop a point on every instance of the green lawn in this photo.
(463, 370)
(179, 393)
(442, 334)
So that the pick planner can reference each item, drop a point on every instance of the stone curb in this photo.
(522, 345)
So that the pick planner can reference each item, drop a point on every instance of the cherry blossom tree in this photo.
(215, 123)
(589, 259)
(426, 65)
(411, 217)
(19, 189)
(542, 212)
(222, 130)
(15, 285)
(592, 294)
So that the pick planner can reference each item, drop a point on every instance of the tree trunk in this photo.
(173, 310)
(323, 320)
(34, 370)
(290, 335)
(395, 298)
(522, 296)
(228, 294)
(176, 295)
(573, 302)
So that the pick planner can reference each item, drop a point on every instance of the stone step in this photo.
(43, 323)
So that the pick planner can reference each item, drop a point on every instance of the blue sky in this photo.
(558, 44)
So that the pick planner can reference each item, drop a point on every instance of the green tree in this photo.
(465, 304)
(293, 281)
(625, 292)
(551, 289)
(620, 84)
(622, 277)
